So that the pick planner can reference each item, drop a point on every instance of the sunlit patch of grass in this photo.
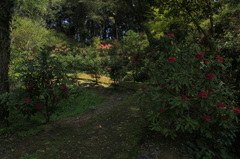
(103, 79)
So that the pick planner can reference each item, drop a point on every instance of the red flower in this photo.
(123, 55)
(58, 99)
(220, 58)
(171, 59)
(200, 55)
(50, 91)
(152, 50)
(26, 100)
(184, 97)
(237, 111)
(130, 56)
(206, 62)
(50, 85)
(210, 76)
(144, 88)
(202, 94)
(206, 118)
(161, 110)
(162, 86)
(221, 105)
(64, 89)
(170, 35)
(39, 107)
(30, 87)
(211, 90)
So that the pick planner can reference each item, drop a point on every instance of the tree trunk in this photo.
(5, 19)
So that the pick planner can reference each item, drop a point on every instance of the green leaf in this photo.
(178, 127)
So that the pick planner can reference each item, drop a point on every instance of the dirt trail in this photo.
(61, 138)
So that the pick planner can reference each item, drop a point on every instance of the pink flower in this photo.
(171, 59)
(161, 110)
(211, 90)
(210, 76)
(170, 35)
(39, 107)
(184, 97)
(129, 56)
(206, 62)
(206, 118)
(221, 105)
(200, 55)
(202, 94)
(220, 58)
(237, 111)
(65, 89)
(26, 100)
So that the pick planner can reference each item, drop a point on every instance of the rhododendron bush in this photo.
(44, 86)
(186, 93)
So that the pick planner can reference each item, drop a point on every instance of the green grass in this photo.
(78, 104)
(81, 101)
(115, 134)
(118, 137)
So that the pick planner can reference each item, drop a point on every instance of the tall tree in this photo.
(5, 19)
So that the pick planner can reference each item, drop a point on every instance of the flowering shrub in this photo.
(186, 94)
(44, 85)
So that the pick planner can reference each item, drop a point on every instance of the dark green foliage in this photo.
(44, 80)
(172, 101)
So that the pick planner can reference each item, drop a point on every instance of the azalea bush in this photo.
(186, 94)
(44, 85)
